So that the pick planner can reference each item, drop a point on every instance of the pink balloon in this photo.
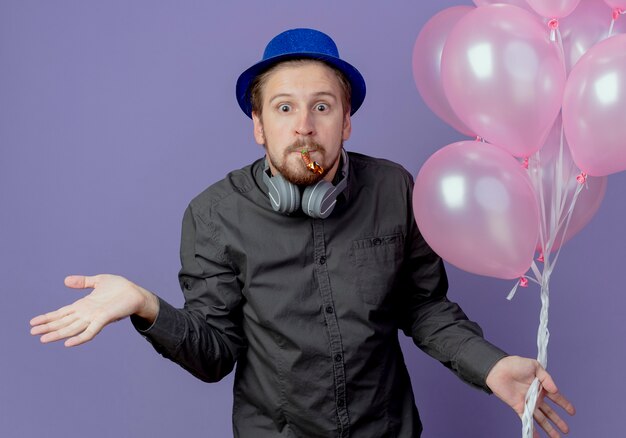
(621, 4)
(475, 206)
(559, 185)
(588, 24)
(503, 76)
(553, 8)
(427, 64)
(594, 108)
(518, 3)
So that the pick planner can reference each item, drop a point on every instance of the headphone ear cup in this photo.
(318, 200)
(284, 196)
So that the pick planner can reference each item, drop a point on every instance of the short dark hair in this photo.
(256, 86)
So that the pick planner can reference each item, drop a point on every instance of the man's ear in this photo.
(347, 126)
(259, 135)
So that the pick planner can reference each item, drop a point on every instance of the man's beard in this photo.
(299, 174)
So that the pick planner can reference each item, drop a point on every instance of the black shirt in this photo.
(310, 309)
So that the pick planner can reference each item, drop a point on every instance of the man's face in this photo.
(302, 109)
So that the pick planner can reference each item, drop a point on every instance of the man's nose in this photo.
(305, 124)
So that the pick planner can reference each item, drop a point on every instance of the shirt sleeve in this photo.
(205, 337)
(437, 325)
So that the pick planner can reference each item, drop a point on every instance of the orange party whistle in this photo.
(313, 166)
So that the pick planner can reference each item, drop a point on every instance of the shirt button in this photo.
(376, 241)
(340, 402)
(337, 357)
(322, 260)
(329, 309)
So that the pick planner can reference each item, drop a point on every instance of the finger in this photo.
(551, 390)
(546, 381)
(86, 335)
(54, 325)
(563, 402)
(51, 316)
(554, 417)
(81, 281)
(543, 422)
(74, 328)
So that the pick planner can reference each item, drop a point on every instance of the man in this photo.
(301, 268)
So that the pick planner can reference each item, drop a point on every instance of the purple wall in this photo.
(113, 115)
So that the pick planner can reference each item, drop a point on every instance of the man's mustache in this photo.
(305, 144)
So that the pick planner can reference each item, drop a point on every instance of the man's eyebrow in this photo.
(315, 95)
(325, 93)
(280, 96)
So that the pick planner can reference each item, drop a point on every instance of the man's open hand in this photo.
(510, 379)
(112, 298)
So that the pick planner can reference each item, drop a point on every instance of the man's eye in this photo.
(284, 108)
(321, 107)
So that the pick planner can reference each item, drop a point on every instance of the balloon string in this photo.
(537, 273)
(536, 175)
(553, 24)
(560, 44)
(563, 177)
(543, 337)
(522, 282)
(567, 220)
(513, 291)
(559, 177)
(558, 223)
(529, 407)
(549, 229)
(615, 15)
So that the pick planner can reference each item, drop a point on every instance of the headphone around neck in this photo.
(316, 201)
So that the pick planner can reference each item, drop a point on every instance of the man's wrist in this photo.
(149, 308)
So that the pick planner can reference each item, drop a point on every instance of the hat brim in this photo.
(357, 83)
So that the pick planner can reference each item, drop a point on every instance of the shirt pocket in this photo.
(376, 261)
